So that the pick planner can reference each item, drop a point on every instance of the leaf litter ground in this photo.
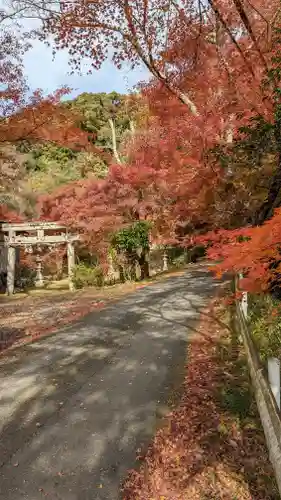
(212, 446)
(26, 318)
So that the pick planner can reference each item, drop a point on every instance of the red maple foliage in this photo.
(45, 119)
(6, 214)
(253, 251)
(154, 33)
(30, 116)
(220, 64)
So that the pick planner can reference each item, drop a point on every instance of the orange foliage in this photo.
(45, 119)
(171, 177)
(253, 251)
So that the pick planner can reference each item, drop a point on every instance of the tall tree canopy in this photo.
(143, 32)
(207, 156)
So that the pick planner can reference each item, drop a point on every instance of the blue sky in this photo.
(44, 73)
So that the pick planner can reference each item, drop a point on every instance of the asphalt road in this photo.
(75, 407)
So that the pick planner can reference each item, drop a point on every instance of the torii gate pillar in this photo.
(11, 265)
(70, 264)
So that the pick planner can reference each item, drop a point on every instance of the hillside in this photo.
(40, 167)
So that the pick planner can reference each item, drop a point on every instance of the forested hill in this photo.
(42, 166)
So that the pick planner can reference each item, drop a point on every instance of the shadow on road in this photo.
(9, 335)
(75, 408)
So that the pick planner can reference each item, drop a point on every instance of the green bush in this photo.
(179, 261)
(265, 325)
(85, 275)
(25, 278)
(132, 237)
(196, 253)
(179, 257)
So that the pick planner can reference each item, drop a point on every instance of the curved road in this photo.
(76, 407)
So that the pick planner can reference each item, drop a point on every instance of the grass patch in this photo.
(265, 325)
(235, 392)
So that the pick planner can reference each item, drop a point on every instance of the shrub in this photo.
(180, 257)
(265, 324)
(25, 278)
(85, 275)
(179, 261)
(196, 253)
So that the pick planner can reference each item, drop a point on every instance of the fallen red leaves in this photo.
(205, 451)
(30, 319)
(27, 319)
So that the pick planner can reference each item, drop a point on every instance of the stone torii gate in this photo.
(33, 236)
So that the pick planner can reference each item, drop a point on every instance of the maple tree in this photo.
(177, 180)
(29, 117)
(143, 32)
(39, 120)
(26, 114)
(220, 59)
(253, 251)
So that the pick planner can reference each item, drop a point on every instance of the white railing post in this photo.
(165, 261)
(244, 304)
(273, 365)
(244, 301)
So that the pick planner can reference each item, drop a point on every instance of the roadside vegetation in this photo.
(212, 445)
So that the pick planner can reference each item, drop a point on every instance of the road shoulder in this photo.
(212, 445)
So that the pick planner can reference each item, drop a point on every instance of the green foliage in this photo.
(46, 166)
(180, 256)
(85, 275)
(50, 167)
(53, 175)
(265, 324)
(86, 256)
(179, 261)
(25, 277)
(97, 109)
(248, 163)
(235, 397)
(91, 164)
(195, 253)
(41, 157)
(133, 237)
(252, 144)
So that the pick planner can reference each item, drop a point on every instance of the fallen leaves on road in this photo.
(26, 319)
(212, 447)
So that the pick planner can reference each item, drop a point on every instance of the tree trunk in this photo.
(132, 267)
(188, 102)
(121, 273)
(114, 144)
(181, 96)
(132, 127)
(272, 200)
(144, 265)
